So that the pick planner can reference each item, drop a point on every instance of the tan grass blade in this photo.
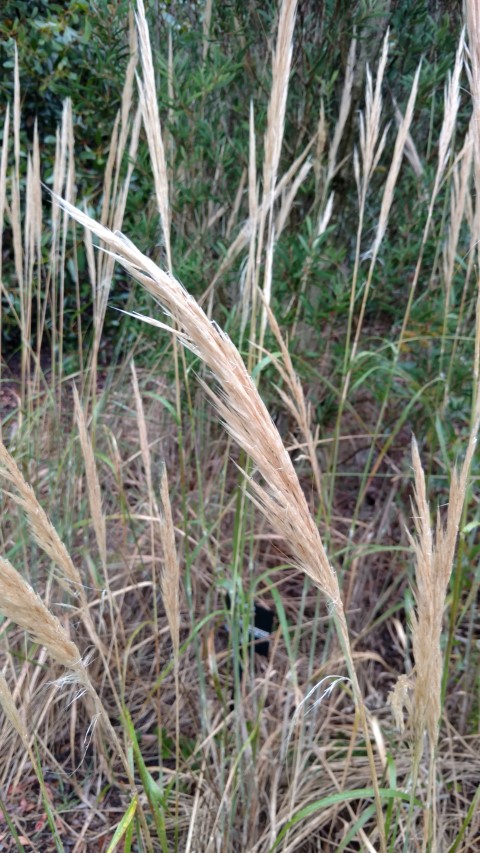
(207, 22)
(434, 558)
(153, 129)
(115, 194)
(371, 143)
(47, 537)
(296, 404)
(42, 528)
(232, 219)
(93, 482)
(288, 199)
(170, 579)
(7, 702)
(3, 182)
(393, 172)
(248, 290)
(343, 113)
(364, 164)
(36, 250)
(459, 197)
(3, 191)
(170, 115)
(52, 290)
(144, 445)
(15, 220)
(411, 152)
(281, 64)
(473, 70)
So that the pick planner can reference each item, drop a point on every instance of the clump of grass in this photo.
(280, 496)
(229, 791)
(434, 562)
(20, 604)
(47, 537)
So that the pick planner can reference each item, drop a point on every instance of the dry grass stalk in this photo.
(321, 141)
(434, 556)
(170, 579)
(170, 585)
(323, 178)
(248, 290)
(114, 202)
(3, 182)
(98, 521)
(207, 23)
(296, 404)
(411, 152)
(364, 165)
(452, 105)
(171, 99)
(3, 188)
(459, 197)
(289, 198)
(393, 172)
(233, 216)
(281, 64)
(343, 113)
(93, 482)
(151, 122)
(35, 237)
(144, 445)
(473, 70)
(55, 273)
(70, 189)
(10, 709)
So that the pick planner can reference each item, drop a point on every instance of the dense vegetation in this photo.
(310, 175)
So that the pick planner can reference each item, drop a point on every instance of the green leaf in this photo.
(337, 799)
(123, 825)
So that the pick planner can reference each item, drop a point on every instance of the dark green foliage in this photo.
(80, 50)
(77, 50)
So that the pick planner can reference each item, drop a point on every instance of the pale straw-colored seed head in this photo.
(243, 412)
(10, 709)
(20, 603)
(42, 528)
